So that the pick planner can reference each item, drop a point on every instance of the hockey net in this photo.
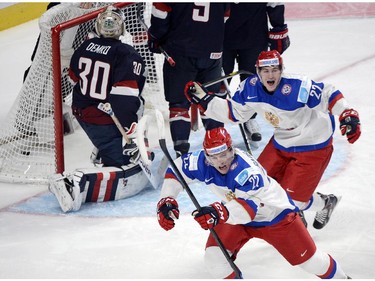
(31, 139)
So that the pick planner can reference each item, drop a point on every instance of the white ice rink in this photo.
(124, 240)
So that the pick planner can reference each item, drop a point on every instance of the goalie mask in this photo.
(218, 149)
(110, 23)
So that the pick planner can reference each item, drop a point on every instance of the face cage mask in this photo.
(217, 160)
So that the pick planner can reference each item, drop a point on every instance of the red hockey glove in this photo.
(153, 44)
(167, 212)
(197, 94)
(278, 38)
(350, 124)
(210, 216)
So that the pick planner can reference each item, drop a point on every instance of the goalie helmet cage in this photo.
(32, 136)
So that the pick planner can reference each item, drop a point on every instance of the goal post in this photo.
(32, 137)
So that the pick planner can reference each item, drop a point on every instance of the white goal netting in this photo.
(28, 150)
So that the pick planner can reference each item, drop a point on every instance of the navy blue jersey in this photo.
(190, 29)
(248, 24)
(107, 70)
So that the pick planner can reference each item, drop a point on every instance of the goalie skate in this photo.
(65, 192)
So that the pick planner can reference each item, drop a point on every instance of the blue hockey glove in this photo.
(211, 215)
(350, 124)
(197, 94)
(167, 212)
(278, 38)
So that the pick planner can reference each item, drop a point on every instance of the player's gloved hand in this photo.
(153, 44)
(167, 212)
(131, 149)
(350, 124)
(211, 215)
(197, 94)
(278, 38)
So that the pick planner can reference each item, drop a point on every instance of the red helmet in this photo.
(216, 141)
(269, 58)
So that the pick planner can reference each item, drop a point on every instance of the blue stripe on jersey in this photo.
(334, 96)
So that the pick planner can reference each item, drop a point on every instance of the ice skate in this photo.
(322, 217)
(64, 191)
(252, 131)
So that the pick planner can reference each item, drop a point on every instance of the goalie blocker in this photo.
(97, 185)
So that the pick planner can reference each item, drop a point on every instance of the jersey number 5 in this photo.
(202, 13)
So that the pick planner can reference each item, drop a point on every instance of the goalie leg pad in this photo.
(110, 183)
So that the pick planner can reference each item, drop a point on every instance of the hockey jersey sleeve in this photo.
(160, 20)
(127, 86)
(275, 12)
(325, 97)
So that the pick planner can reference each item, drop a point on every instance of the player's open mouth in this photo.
(271, 82)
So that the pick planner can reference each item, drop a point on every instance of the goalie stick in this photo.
(144, 25)
(144, 161)
(194, 107)
(163, 146)
(241, 126)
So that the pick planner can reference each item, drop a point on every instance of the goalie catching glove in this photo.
(131, 149)
(197, 94)
(167, 212)
(210, 216)
(350, 125)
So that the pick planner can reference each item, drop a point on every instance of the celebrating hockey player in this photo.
(105, 70)
(253, 205)
(251, 28)
(302, 113)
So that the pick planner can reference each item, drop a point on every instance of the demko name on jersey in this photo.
(96, 48)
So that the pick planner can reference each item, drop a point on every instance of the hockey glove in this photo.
(350, 124)
(153, 44)
(167, 212)
(279, 38)
(198, 95)
(212, 215)
(131, 150)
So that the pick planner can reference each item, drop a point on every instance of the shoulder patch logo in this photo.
(242, 177)
(253, 81)
(286, 90)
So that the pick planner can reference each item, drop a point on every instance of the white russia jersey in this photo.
(300, 110)
(251, 197)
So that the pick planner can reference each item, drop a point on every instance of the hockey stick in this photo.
(194, 107)
(140, 19)
(163, 146)
(143, 163)
(225, 77)
(242, 129)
